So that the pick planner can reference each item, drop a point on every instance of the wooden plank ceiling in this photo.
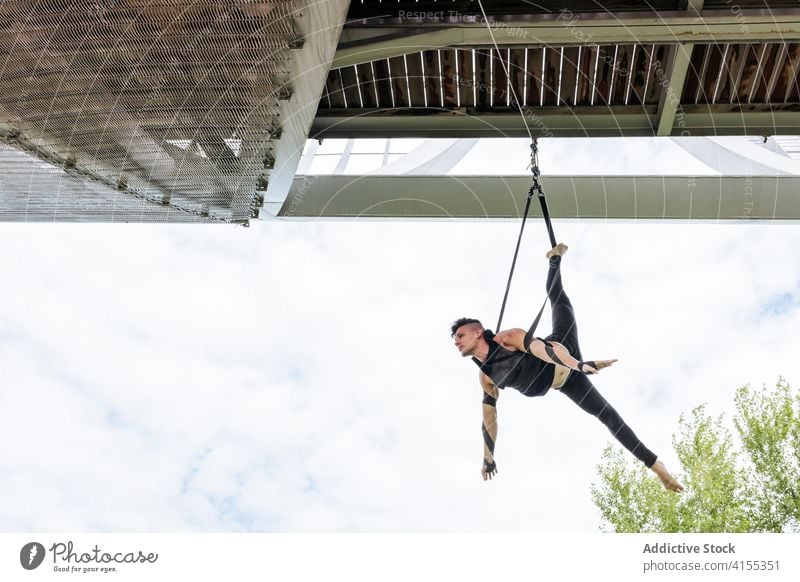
(575, 78)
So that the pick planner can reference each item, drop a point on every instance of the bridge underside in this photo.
(564, 70)
(730, 179)
(593, 197)
(576, 70)
(178, 111)
(129, 111)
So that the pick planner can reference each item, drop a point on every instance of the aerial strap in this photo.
(536, 188)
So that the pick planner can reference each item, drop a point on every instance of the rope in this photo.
(507, 72)
(536, 187)
(514, 261)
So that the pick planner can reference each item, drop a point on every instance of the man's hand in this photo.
(488, 469)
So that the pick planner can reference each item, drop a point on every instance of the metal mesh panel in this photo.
(170, 103)
(35, 191)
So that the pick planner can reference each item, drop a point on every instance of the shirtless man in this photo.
(532, 365)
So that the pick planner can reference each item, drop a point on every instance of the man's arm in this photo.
(555, 353)
(489, 427)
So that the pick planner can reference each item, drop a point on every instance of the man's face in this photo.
(467, 337)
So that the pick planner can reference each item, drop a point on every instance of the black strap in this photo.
(529, 335)
(514, 261)
(536, 188)
(548, 347)
(487, 440)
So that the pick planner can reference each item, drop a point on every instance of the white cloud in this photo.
(300, 376)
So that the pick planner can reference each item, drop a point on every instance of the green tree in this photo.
(747, 482)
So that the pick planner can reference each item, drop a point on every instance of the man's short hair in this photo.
(463, 321)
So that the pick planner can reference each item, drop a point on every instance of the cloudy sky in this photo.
(299, 376)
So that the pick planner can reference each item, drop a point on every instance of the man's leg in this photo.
(565, 329)
(581, 391)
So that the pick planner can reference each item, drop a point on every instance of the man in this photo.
(516, 359)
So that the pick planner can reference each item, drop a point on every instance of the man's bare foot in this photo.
(598, 365)
(559, 250)
(668, 480)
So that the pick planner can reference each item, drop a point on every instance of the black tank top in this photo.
(519, 370)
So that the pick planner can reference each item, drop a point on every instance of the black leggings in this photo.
(578, 387)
